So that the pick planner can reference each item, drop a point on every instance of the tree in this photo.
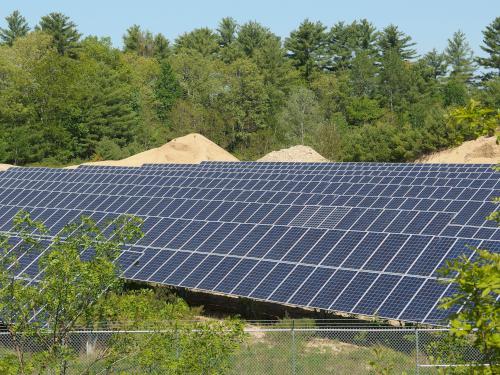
(394, 80)
(252, 36)
(227, 31)
(63, 31)
(244, 102)
(459, 57)
(167, 90)
(363, 74)
(365, 36)
(392, 39)
(476, 299)
(436, 62)
(204, 41)
(176, 347)
(161, 48)
(301, 115)
(16, 27)
(227, 34)
(471, 121)
(491, 40)
(79, 273)
(306, 47)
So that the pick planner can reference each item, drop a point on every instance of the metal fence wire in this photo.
(286, 349)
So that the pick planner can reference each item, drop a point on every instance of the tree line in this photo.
(352, 92)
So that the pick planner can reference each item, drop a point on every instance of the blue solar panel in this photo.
(360, 238)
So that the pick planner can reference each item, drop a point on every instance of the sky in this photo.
(429, 22)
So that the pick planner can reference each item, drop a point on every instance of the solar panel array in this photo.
(360, 238)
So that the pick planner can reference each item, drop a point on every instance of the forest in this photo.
(351, 91)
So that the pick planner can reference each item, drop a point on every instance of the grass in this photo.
(272, 353)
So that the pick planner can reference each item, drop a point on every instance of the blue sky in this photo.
(430, 23)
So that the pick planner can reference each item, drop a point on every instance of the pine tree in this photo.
(459, 57)
(306, 47)
(341, 40)
(133, 39)
(143, 43)
(252, 36)
(203, 40)
(392, 39)
(63, 31)
(161, 48)
(16, 27)
(491, 46)
(227, 31)
(167, 90)
(436, 62)
(365, 36)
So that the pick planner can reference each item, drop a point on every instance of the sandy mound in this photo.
(190, 149)
(483, 150)
(295, 153)
(4, 167)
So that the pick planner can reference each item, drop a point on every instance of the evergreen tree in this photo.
(63, 32)
(161, 47)
(144, 44)
(392, 39)
(227, 31)
(133, 39)
(306, 47)
(436, 62)
(340, 46)
(16, 27)
(365, 36)
(252, 36)
(167, 90)
(227, 34)
(204, 41)
(459, 57)
(491, 40)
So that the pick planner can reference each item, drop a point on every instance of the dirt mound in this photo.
(295, 153)
(483, 150)
(190, 149)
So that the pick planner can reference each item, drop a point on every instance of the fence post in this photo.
(417, 350)
(294, 364)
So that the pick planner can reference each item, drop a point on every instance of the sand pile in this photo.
(190, 149)
(483, 150)
(295, 153)
(4, 167)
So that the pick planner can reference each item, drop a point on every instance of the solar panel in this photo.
(359, 238)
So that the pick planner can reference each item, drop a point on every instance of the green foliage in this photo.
(167, 90)
(472, 121)
(491, 40)
(16, 27)
(64, 100)
(306, 47)
(74, 289)
(393, 40)
(64, 34)
(459, 56)
(477, 288)
(80, 286)
(144, 43)
(203, 41)
(301, 116)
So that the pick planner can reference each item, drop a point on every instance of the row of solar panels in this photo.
(380, 260)
(467, 223)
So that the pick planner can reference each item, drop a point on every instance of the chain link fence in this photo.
(288, 348)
